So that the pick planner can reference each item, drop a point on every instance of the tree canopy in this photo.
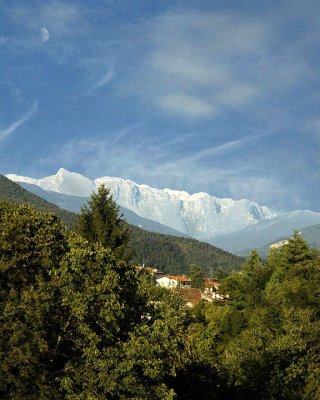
(77, 323)
(265, 341)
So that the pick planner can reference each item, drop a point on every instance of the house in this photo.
(192, 296)
(220, 297)
(212, 291)
(278, 245)
(211, 285)
(174, 281)
(153, 271)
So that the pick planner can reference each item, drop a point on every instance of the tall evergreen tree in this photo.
(197, 277)
(101, 222)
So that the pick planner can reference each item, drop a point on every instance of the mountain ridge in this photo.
(199, 215)
(233, 225)
(74, 204)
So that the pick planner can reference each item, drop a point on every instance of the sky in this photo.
(216, 96)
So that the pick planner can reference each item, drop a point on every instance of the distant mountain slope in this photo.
(74, 204)
(67, 202)
(312, 235)
(14, 193)
(262, 234)
(199, 215)
(169, 253)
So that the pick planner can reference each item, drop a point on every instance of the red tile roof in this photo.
(191, 295)
(179, 278)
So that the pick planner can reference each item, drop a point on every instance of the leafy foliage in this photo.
(75, 322)
(31, 246)
(266, 341)
(78, 323)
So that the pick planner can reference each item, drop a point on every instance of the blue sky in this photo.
(215, 96)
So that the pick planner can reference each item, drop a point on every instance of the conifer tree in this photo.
(197, 277)
(101, 222)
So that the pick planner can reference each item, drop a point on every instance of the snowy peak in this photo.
(70, 183)
(64, 181)
(200, 215)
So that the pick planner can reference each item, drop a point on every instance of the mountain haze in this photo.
(267, 232)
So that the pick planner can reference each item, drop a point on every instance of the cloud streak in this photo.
(107, 78)
(221, 149)
(15, 125)
(149, 160)
(159, 162)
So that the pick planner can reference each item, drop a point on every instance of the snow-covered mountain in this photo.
(74, 204)
(199, 215)
(63, 182)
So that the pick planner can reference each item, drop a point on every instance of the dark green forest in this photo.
(12, 192)
(176, 254)
(168, 253)
(78, 320)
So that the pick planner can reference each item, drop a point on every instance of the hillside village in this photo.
(208, 290)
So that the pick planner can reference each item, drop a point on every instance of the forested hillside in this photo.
(168, 253)
(175, 255)
(12, 192)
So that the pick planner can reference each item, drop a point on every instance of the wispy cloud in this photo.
(207, 86)
(189, 106)
(220, 149)
(103, 81)
(16, 124)
(217, 170)
(199, 65)
(152, 161)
